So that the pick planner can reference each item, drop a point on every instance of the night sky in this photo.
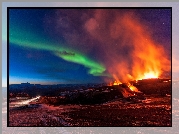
(76, 46)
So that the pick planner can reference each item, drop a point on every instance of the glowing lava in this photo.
(116, 83)
(132, 88)
(149, 75)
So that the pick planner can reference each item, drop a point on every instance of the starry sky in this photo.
(74, 46)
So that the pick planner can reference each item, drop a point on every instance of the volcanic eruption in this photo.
(130, 50)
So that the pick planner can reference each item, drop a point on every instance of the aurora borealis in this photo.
(75, 45)
(29, 41)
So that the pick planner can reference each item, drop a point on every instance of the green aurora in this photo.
(31, 40)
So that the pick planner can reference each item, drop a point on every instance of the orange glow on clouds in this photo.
(148, 59)
(131, 52)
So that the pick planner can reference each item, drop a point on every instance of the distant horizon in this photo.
(54, 83)
(76, 83)
(58, 83)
